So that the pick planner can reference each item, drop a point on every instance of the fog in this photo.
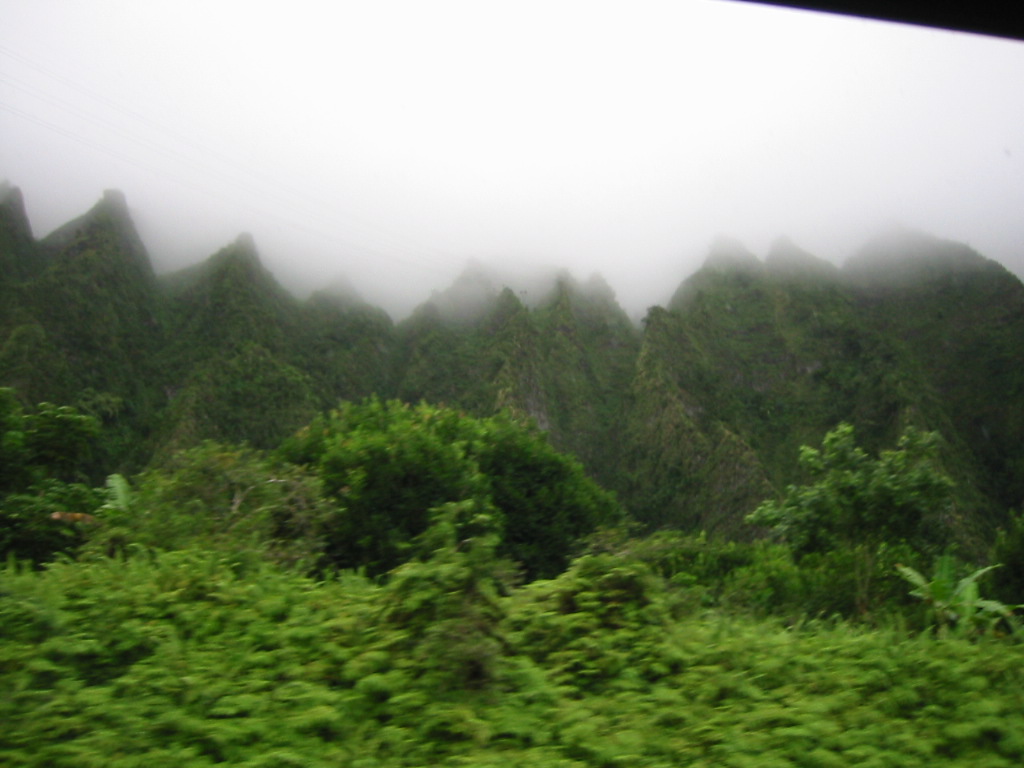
(389, 143)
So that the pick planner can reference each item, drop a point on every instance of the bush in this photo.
(1008, 581)
(229, 498)
(43, 501)
(386, 465)
(859, 510)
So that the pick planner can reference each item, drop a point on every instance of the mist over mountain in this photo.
(786, 257)
(693, 415)
(508, 384)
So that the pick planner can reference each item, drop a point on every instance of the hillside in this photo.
(754, 359)
(84, 327)
(332, 539)
(960, 319)
(692, 418)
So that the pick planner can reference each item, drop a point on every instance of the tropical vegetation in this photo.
(774, 524)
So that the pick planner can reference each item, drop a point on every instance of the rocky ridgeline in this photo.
(692, 418)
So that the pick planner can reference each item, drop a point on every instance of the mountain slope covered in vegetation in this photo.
(692, 418)
(240, 528)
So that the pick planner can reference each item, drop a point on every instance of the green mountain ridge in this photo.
(693, 418)
(17, 244)
(85, 325)
(777, 356)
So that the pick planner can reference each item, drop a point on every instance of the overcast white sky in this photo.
(390, 141)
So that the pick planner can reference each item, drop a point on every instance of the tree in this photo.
(387, 465)
(863, 506)
(42, 498)
(232, 499)
(444, 609)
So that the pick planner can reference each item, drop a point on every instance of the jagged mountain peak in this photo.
(340, 293)
(506, 307)
(691, 418)
(246, 244)
(242, 250)
(8, 192)
(12, 209)
(508, 300)
(240, 258)
(788, 259)
(468, 298)
(562, 289)
(598, 287)
(564, 283)
(727, 254)
(227, 302)
(111, 208)
(236, 269)
(727, 262)
(12, 206)
(107, 227)
(901, 256)
(115, 201)
(18, 258)
(594, 293)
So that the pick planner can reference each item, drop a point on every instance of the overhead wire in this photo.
(352, 249)
(155, 125)
(274, 184)
(272, 188)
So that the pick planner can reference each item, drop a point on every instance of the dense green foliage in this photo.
(748, 362)
(565, 363)
(41, 481)
(232, 499)
(409, 585)
(182, 658)
(958, 319)
(692, 419)
(186, 632)
(387, 465)
(863, 515)
(958, 603)
(898, 498)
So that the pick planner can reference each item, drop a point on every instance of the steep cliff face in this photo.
(347, 346)
(960, 320)
(226, 302)
(86, 329)
(777, 354)
(587, 354)
(683, 465)
(19, 259)
(518, 385)
(769, 356)
(474, 345)
(566, 363)
(98, 289)
(231, 327)
(693, 419)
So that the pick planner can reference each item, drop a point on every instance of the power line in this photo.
(271, 188)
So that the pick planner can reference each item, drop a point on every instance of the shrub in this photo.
(42, 496)
(386, 465)
(957, 603)
(864, 506)
(222, 497)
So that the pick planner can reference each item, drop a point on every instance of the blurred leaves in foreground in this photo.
(357, 599)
